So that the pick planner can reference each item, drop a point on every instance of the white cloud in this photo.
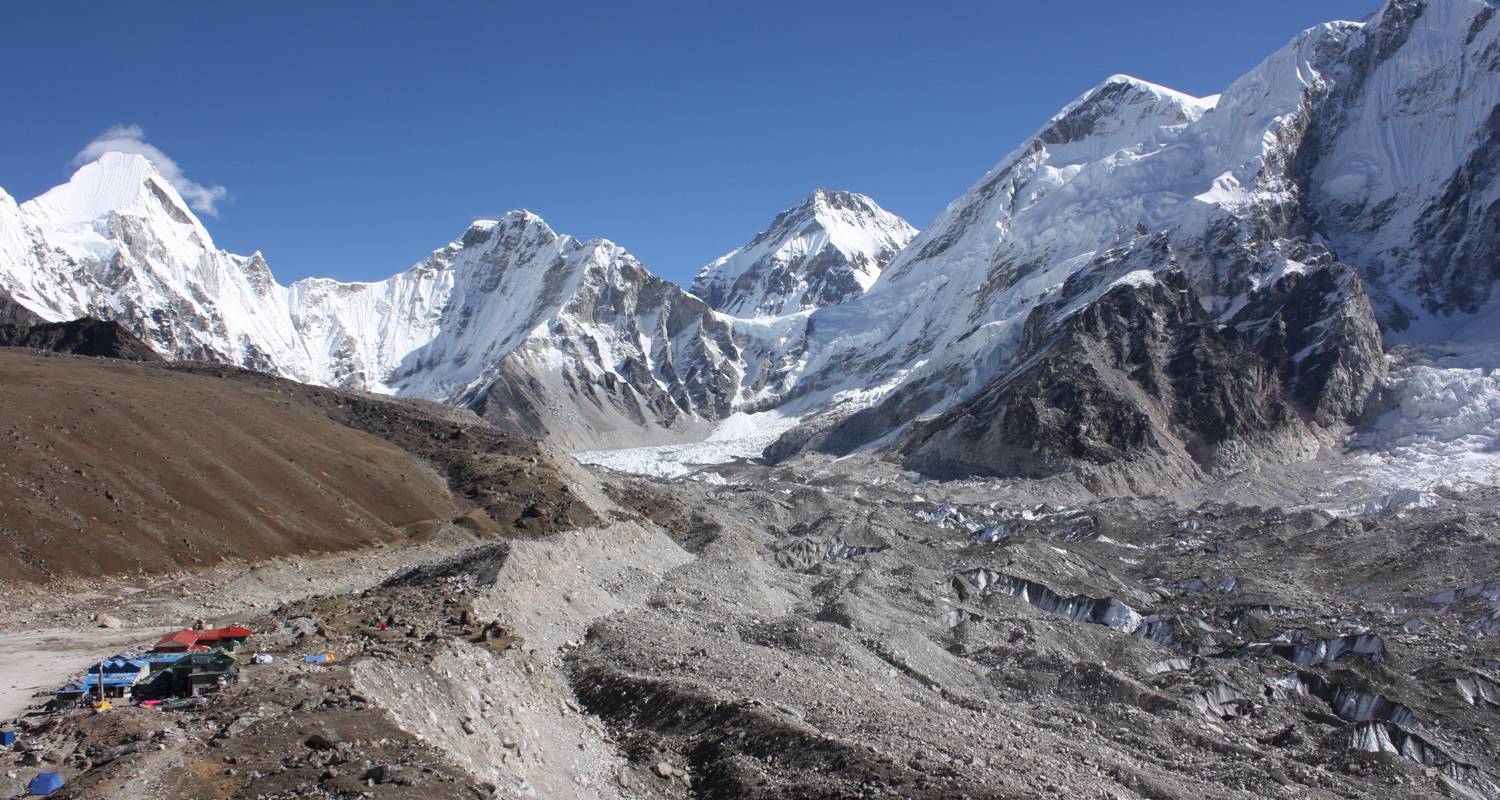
(132, 139)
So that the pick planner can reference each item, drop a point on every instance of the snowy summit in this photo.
(823, 251)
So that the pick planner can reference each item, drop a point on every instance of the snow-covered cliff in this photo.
(823, 251)
(1348, 178)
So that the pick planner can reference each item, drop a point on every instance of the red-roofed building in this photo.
(238, 632)
(229, 637)
(179, 642)
(188, 641)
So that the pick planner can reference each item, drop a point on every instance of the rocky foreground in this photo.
(818, 633)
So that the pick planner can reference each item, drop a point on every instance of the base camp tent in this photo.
(45, 783)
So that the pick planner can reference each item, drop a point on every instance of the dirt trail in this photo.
(38, 661)
(51, 635)
(418, 702)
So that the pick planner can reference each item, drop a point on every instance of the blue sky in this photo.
(353, 139)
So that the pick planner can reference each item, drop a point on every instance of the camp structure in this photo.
(160, 661)
(116, 676)
(207, 672)
(228, 638)
(179, 642)
(192, 674)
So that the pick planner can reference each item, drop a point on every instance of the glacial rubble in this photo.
(1058, 499)
(1220, 652)
(839, 631)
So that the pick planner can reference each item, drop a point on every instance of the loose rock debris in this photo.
(792, 638)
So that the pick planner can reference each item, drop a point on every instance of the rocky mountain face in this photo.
(118, 243)
(1017, 371)
(1152, 284)
(1142, 377)
(1398, 159)
(825, 250)
(581, 341)
(13, 313)
(573, 340)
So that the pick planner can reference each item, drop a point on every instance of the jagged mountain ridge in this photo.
(1143, 375)
(1243, 201)
(577, 341)
(823, 251)
(117, 242)
(82, 337)
(1239, 186)
(508, 301)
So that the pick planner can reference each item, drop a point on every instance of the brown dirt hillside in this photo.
(110, 467)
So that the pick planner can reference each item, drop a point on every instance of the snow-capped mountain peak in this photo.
(1359, 155)
(505, 311)
(1121, 104)
(114, 183)
(825, 250)
(1367, 145)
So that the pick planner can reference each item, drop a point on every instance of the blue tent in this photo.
(45, 783)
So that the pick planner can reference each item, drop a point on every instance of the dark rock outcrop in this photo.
(13, 313)
(1121, 372)
(19, 327)
(81, 337)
